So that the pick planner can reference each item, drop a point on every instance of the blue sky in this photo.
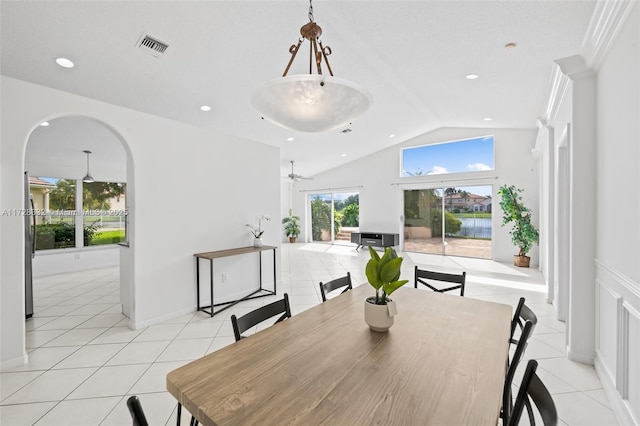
(451, 157)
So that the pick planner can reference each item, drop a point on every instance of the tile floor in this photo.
(84, 361)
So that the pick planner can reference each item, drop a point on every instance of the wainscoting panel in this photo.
(607, 323)
(618, 341)
(631, 358)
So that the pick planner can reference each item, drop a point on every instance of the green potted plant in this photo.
(523, 233)
(383, 273)
(291, 227)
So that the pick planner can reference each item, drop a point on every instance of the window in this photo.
(103, 214)
(470, 155)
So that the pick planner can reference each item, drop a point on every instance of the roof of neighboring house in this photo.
(470, 196)
(36, 181)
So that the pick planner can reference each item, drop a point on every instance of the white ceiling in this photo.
(411, 55)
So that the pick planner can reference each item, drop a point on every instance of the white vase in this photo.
(257, 242)
(377, 316)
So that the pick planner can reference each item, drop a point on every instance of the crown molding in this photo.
(557, 91)
(608, 18)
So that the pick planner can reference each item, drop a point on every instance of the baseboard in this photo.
(615, 399)
(157, 320)
(579, 357)
(15, 362)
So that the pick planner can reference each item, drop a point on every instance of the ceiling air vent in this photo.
(152, 45)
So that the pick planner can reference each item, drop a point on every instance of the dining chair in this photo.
(521, 346)
(336, 284)
(522, 314)
(532, 389)
(427, 278)
(245, 322)
(137, 414)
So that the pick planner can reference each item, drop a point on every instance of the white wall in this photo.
(376, 177)
(197, 168)
(618, 224)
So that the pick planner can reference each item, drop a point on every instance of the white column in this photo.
(79, 219)
(582, 210)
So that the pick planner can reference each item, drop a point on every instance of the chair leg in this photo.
(179, 413)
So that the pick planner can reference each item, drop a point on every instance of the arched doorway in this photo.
(82, 227)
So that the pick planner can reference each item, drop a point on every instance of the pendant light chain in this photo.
(310, 12)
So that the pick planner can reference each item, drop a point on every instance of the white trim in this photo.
(617, 404)
(557, 92)
(15, 362)
(579, 357)
(606, 22)
(621, 279)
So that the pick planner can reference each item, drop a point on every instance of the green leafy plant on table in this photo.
(383, 273)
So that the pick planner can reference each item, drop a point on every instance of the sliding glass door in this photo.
(334, 216)
(450, 221)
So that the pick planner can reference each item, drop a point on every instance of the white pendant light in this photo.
(88, 178)
(311, 102)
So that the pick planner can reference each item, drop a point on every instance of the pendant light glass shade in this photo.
(311, 102)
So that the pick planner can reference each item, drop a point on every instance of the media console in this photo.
(375, 239)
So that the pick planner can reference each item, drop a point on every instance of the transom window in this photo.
(469, 155)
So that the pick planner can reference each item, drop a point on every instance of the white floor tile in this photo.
(45, 358)
(582, 377)
(79, 413)
(185, 350)
(91, 356)
(159, 332)
(77, 336)
(155, 378)
(24, 414)
(116, 335)
(52, 385)
(139, 353)
(109, 381)
(12, 382)
(37, 338)
(102, 320)
(200, 329)
(578, 409)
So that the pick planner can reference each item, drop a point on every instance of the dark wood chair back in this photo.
(336, 284)
(245, 322)
(522, 314)
(427, 279)
(507, 399)
(137, 414)
(532, 389)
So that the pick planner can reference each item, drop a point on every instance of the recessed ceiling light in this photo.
(64, 62)
(392, 135)
(510, 46)
(44, 123)
(343, 155)
(205, 108)
(290, 139)
(471, 76)
(488, 119)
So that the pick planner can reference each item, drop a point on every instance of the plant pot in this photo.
(377, 316)
(521, 261)
(257, 242)
(292, 240)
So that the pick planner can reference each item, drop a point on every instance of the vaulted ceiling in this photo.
(412, 56)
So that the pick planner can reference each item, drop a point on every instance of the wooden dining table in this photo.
(443, 362)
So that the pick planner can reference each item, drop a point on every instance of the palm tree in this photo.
(449, 192)
(465, 197)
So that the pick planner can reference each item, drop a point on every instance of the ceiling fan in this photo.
(296, 177)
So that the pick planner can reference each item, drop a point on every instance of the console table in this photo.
(211, 255)
(375, 239)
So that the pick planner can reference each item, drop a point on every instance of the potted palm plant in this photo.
(383, 273)
(291, 227)
(523, 233)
